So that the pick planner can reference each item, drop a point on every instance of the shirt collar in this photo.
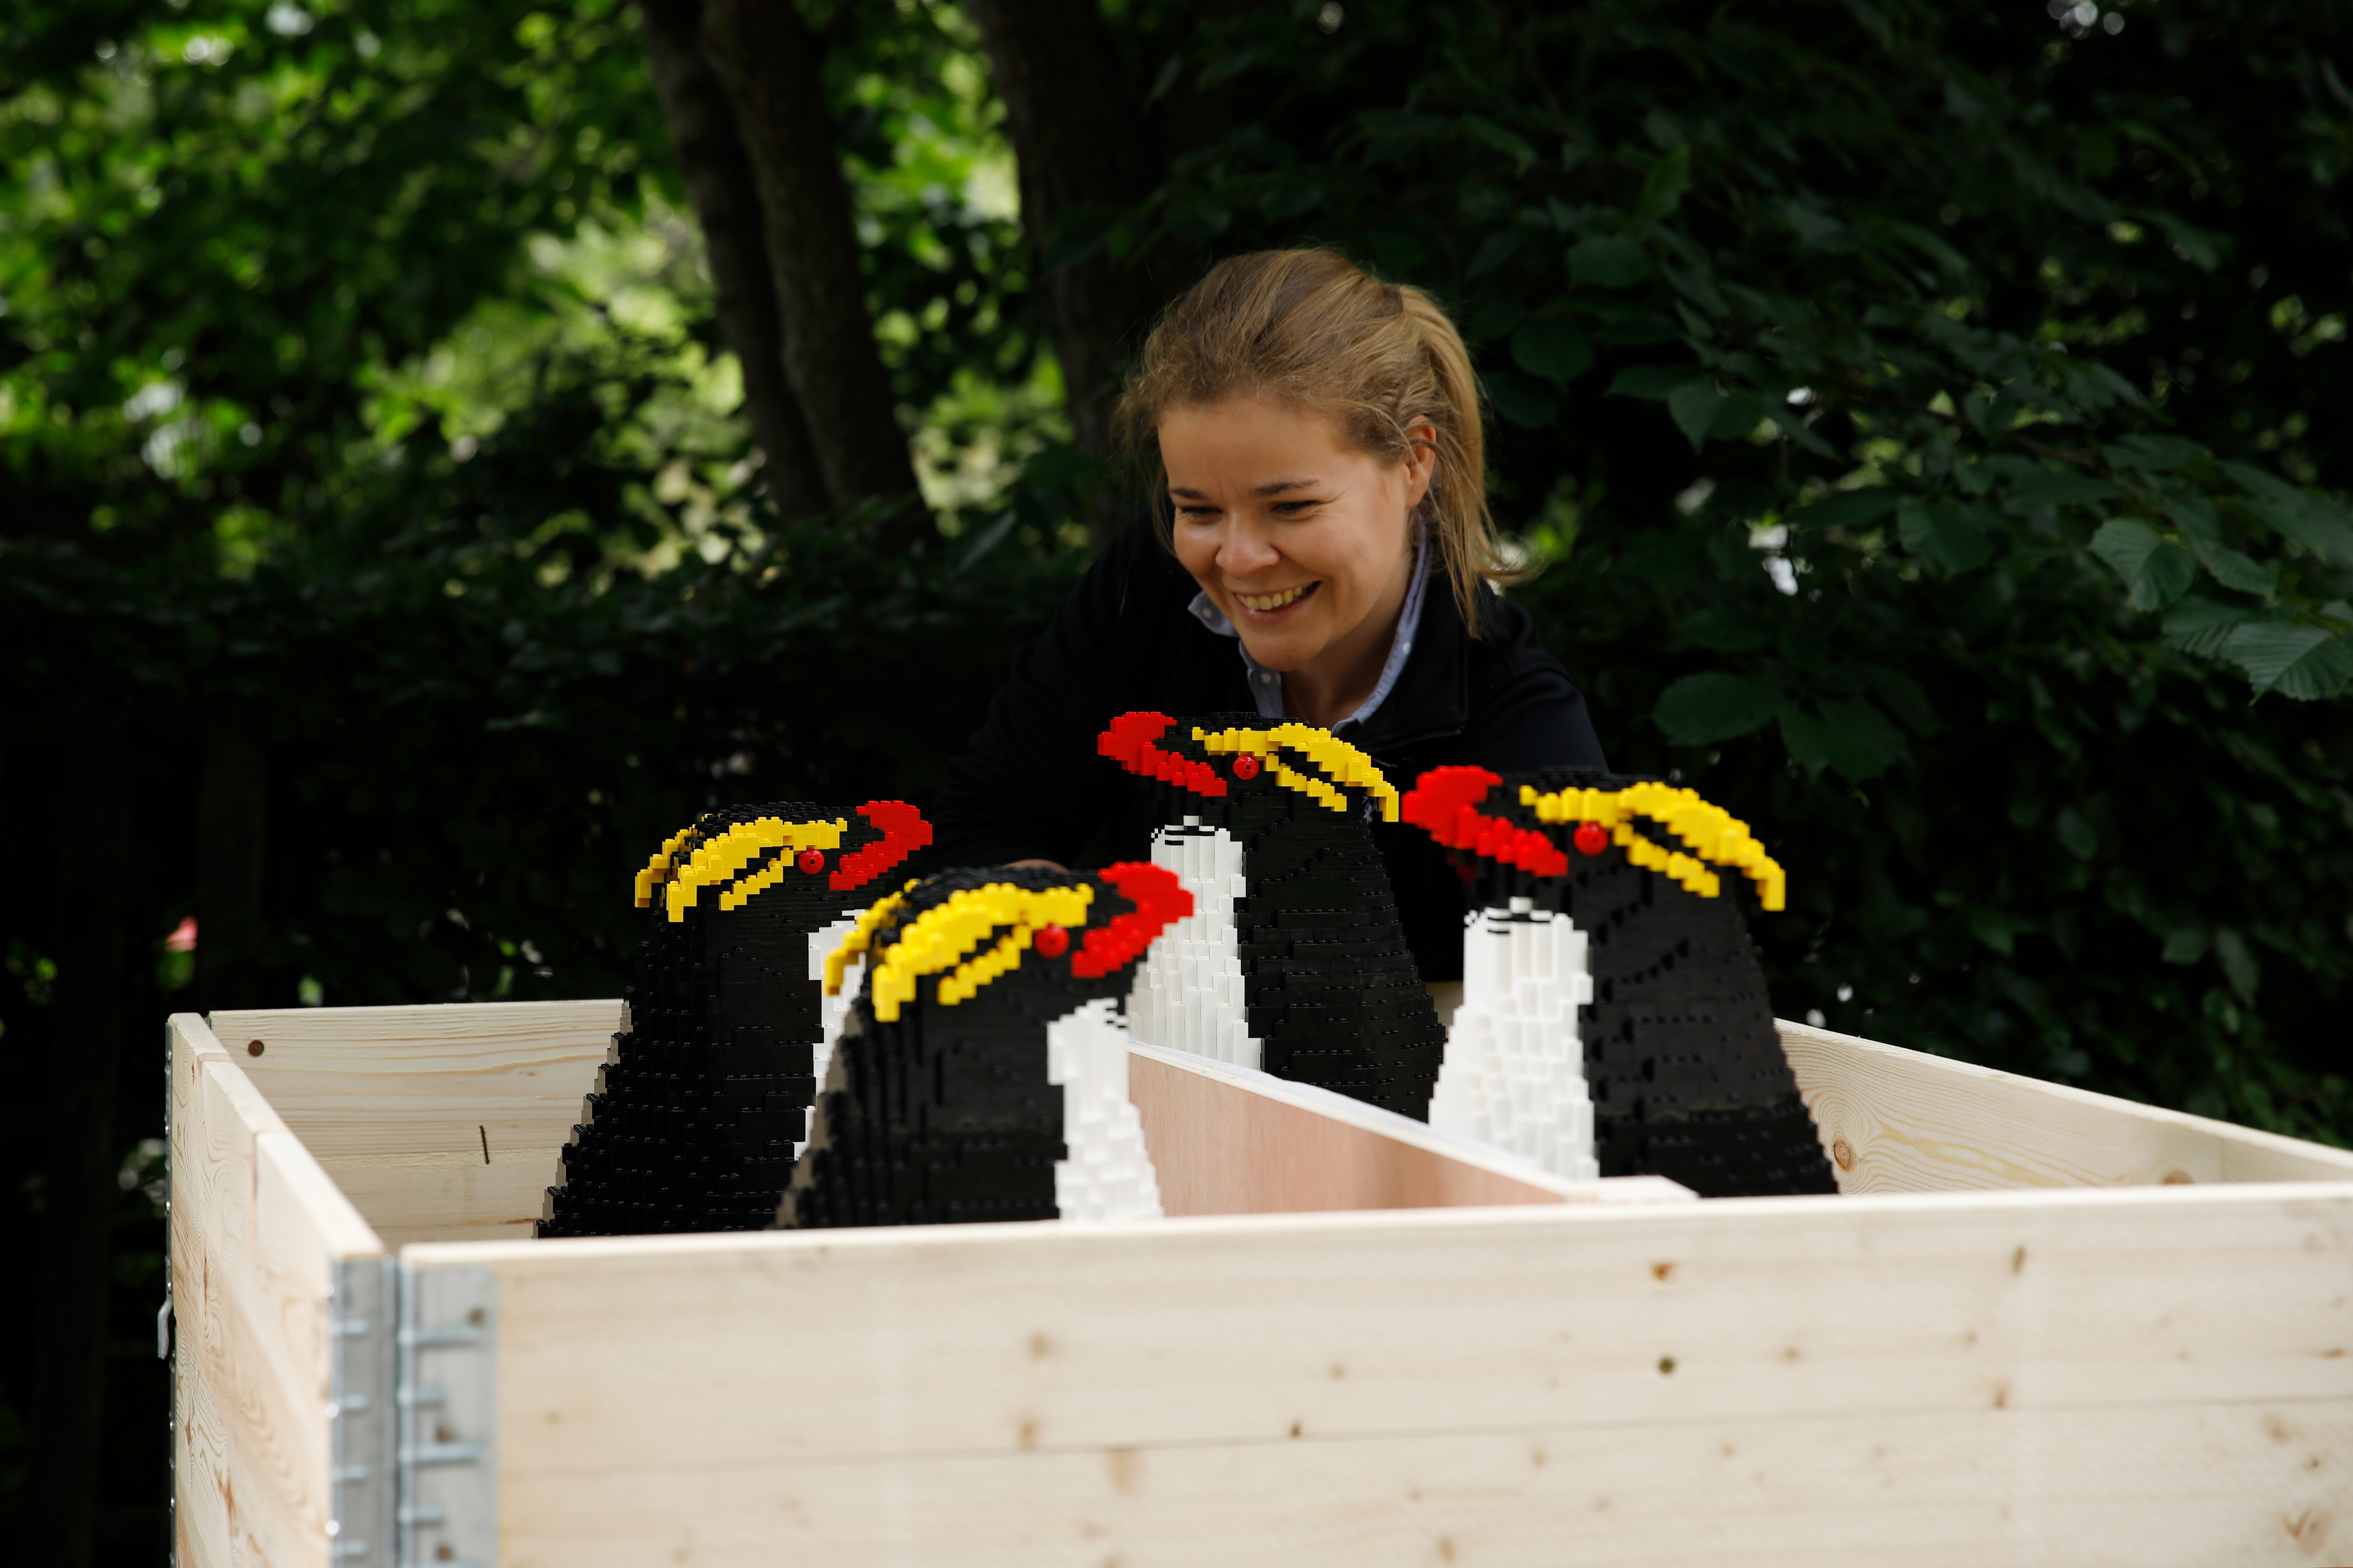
(1266, 684)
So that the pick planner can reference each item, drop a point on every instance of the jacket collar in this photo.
(1432, 697)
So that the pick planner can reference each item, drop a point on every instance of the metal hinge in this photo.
(361, 1304)
(448, 1508)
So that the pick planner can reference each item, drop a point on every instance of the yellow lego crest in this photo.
(1339, 762)
(1711, 833)
(718, 862)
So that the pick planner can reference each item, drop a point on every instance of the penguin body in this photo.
(1654, 990)
(1295, 956)
(983, 1072)
(702, 1104)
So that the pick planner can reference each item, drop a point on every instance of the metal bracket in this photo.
(448, 1497)
(361, 1412)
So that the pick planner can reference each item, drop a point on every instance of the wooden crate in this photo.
(2039, 1326)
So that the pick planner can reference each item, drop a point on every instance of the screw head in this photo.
(253, 1047)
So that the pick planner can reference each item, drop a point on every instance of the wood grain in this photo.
(2153, 1376)
(1923, 1492)
(1899, 1120)
(255, 1229)
(1226, 1139)
(438, 1122)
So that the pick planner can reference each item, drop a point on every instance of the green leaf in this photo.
(2239, 966)
(2150, 454)
(2203, 526)
(1609, 261)
(1738, 418)
(1700, 710)
(2200, 626)
(2044, 486)
(1849, 734)
(1943, 531)
(2309, 519)
(1694, 284)
(1504, 141)
(1495, 251)
(2076, 834)
(1996, 930)
(1726, 628)
(1846, 508)
(2156, 570)
(1520, 400)
(2202, 249)
(1653, 381)
(1663, 191)
(2304, 663)
(1807, 737)
(1695, 405)
(1902, 696)
(1552, 347)
(1814, 226)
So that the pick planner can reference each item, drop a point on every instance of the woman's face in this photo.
(1300, 540)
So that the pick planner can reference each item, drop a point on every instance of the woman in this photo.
(1325, 554)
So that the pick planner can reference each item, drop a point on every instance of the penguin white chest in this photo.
(1514, 1069)
(1189, 992)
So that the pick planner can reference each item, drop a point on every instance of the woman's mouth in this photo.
(1266, 603)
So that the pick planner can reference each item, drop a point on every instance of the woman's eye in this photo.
(1293, 508)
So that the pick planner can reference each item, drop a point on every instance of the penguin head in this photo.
(791, 851)
(1523, 836)
(1058, 938)
(1221, 766)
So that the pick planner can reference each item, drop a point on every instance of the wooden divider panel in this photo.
(442, 1123)
(1899, 1120)
(2151, 1376)
(1226, 1139)
(257, 1228)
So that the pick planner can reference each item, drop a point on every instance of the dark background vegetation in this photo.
(444, 446)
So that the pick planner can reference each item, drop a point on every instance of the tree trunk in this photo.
(79, 1191)
(718, 176)
(768, 60)
(1069, 107)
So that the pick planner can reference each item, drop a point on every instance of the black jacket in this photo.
(1031, 784)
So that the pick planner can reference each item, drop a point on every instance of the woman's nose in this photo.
(1243, 550)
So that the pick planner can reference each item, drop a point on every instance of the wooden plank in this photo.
(256, 1229)
(1226, 1139)
(2051, 1490)
(1899, 1120)
(2147, 1375)
(438, 1122)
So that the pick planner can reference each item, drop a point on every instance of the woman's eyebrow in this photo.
(1279, 486)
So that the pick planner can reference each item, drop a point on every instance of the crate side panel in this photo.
(1899, 1120)
(2197, 1485)
(254, 1228)
(783, 1349)
(441, 1123)
(199, 1443)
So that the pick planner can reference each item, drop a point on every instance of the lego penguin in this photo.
(1614, 1017)
(703, 1102)
(983, 1073)
(1294, 961)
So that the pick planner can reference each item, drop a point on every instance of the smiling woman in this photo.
(1315, 437)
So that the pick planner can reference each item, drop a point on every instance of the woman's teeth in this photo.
(1265, 602)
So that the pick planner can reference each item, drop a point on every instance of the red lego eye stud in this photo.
(811, 861)
(1245, 767)
(1591, 838)
(1051, 941)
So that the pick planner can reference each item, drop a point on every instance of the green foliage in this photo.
(1943, 472)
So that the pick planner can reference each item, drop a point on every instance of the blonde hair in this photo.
(1311, 329)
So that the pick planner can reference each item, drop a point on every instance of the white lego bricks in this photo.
(1107, 1174)
(1514, 1069)
(832, 1011)
(1188, 991)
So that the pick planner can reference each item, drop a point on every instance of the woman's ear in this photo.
(1421, 461)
